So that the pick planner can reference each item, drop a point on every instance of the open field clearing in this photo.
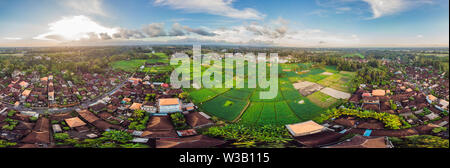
(322, 100)
(327, 73)
(335, 93)
(301, 106)
(128, 66)
(252, 113)
(268, 113)
(307, 88)
(339, 81)
(202, 95)
(289, 106)
(241, 94)
(355, 55)
(223, 107)
(284, 113)
(256, 97)
(133, 65)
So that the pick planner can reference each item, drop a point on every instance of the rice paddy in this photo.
(289, 106)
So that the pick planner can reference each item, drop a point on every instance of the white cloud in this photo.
(279, 35)
(86, 6)
(382, 8)
(12, 38)
(76, 28)
(419, 36)
(386, 7)
(215, 7)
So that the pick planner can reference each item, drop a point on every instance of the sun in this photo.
(74, 29)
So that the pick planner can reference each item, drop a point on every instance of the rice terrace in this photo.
(325, 87)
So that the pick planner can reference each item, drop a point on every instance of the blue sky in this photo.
(306, 23)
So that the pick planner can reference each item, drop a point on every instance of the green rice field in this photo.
(289, 106)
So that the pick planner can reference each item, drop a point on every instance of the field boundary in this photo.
(292, 110)
(238, 118)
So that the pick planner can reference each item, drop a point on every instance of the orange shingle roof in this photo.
(309, 127)
(135, 106)
(378, 92)
(168, 102)
(74, 122)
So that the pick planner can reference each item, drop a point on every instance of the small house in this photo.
(170, 105)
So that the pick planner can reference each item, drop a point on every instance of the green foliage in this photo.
(439, 129)
(228, 103)
(11, 113)
(140, 119)
(11, 124)
(118, 136)
(33, 119)
(5, 144)
(390, 121)
(61, 136)
(179, 121)
(131, 145)
(251, 133)
(420, 141)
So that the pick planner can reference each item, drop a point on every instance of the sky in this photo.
(287, 23)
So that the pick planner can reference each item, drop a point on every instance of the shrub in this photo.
(118, 136)
(390, 121)
(420, 141)
(33, 119)
(61, 136)
(439, 129)
(239, 132)
(11, 113)
(5, 144)
(179, 121)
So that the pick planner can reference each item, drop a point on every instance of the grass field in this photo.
(355, 55)
(133, 65)
(339, 81)
(289, 106)
(224, 107)
(128, 65)
(202, 95)
(322, 100)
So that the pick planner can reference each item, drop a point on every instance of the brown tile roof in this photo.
(25, 126)
(158, 123)
(373, 107)
(195, 120)
(75, 122)
(199, 141)
(105, 115)
(88, 116)
(29, 146)
(319, 139)
(304, 128)
(169, 101)
(102, 125)
(355, 98)
(37, 137)
(135, 106)
(363, 142)
(160, 134)
(370, 125)
(345, 122)
(60, 116)
(378, 92)
(42, 124)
